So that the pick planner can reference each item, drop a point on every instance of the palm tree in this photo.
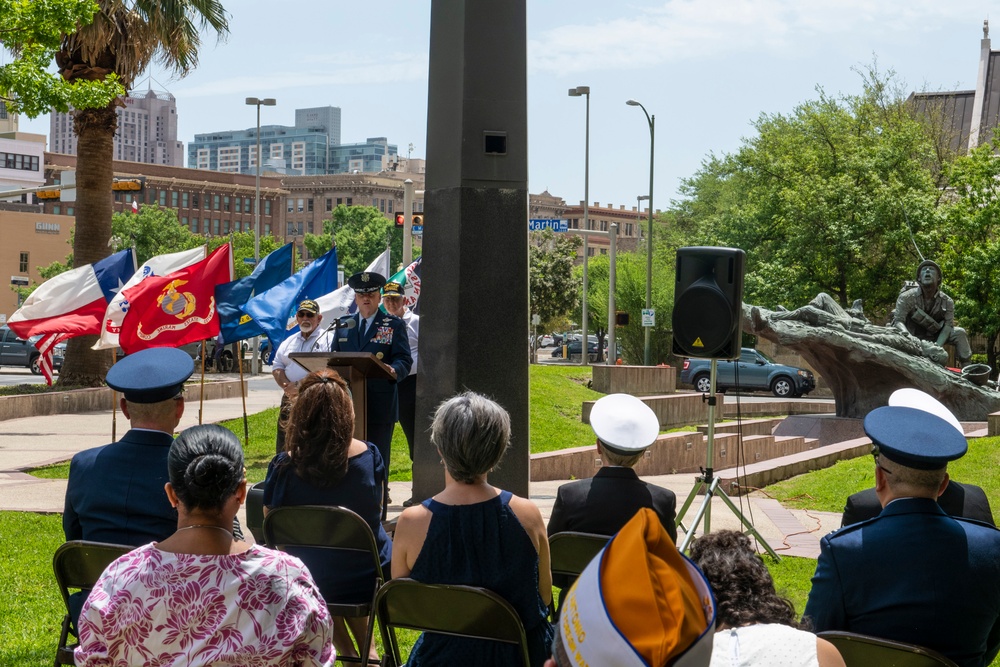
(124, 38)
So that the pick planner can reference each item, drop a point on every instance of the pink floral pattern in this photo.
(151, 607)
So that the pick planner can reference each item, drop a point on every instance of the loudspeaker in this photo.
(708, 302)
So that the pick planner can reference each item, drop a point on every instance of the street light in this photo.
(257, 102)
(649, 236)
(577, 92)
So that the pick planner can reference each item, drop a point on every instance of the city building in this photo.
(302, 149)
(630, 222)
(147, 130)
(374, 155)
(22, 159)
(8, 119)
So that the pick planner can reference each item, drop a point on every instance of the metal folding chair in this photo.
(569, 553)
(864, 651)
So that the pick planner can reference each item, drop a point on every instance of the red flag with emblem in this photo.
(178, 308)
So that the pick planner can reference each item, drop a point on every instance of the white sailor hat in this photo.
(624, 424)
(914, 398)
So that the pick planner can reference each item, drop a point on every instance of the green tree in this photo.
(152, 231)
(120, 43)
(33, 32)
(554, 291)
(360, 233)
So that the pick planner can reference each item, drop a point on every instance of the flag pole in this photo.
(201, 398)
(114, 404)
(243, 395)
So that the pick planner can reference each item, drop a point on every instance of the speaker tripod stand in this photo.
(710, 484)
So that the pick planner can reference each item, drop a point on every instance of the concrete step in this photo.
(761, 473)
(746, 426)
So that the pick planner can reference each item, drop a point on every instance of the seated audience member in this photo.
(639, 603)
(201, 596)
(754, 626)
(474, 534)
(625, 428)
(115, 492)
(325, 465)
(966, 500)
(913, 574)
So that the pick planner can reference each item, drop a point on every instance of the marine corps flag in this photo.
(178, 308)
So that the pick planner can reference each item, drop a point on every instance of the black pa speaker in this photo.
(708, 302)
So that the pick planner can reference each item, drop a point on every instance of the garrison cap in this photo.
(152, 375)
(624, 424)
(366, 281)
(914, 438)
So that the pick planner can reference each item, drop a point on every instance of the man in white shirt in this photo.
(393, 298)
(287, 373)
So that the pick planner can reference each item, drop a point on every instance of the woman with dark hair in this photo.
(754, 625)
(201, 596)
(323, 464)
(476, 535)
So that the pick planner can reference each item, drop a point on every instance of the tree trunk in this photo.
(95, 129)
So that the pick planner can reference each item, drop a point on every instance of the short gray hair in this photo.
(904, 479)
(472, 434)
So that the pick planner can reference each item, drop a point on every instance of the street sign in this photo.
(249, 260)
(555, 224)
(418, 229)
(649, 317)
(19, 280)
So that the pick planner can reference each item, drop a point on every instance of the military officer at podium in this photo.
(384, 336)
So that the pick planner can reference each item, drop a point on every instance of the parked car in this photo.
(753, 371)
(575, 347)
(546, 340)
(16, 351)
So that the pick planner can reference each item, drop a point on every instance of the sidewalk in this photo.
(38, 441)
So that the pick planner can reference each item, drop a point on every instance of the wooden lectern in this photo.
(355, 368)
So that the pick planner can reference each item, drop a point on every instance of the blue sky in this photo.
(705, 68)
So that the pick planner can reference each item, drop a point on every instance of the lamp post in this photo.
(649, 236)
(577, 92)
(257, 102)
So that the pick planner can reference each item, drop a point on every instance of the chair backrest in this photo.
(460, 611)
(571, 552)
(78, 564)
(320, 526)
(255, 511)
(862, 651)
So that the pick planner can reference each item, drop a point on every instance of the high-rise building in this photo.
(302, 149)
(147, 130)
(371, 157)
(8, 120)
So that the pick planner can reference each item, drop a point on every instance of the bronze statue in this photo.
(928, 313)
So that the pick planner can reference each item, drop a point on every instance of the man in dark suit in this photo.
(913, 574)
(625, 428)
(965, 500)
(384, 336)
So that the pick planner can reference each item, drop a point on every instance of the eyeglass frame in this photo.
(876, 452)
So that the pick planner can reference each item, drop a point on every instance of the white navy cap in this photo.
(624, 423)
(914, 398)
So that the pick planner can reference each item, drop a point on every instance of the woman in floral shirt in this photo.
(200, 597)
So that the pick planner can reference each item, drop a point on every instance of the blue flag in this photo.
(272, 309)
(230, 297)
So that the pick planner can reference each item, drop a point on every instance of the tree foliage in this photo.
(553, 289)
(360, 233)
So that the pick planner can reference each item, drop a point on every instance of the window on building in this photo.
(267, 228)
(118, 195)
(309, 204)
(184, 200)
(128, 200)
(340, 200)
(56, 209)
(290, 229)
(239, 204)
(604, 251)
(329, 204)
(195, 200)
(604, 225)
(350, 201)
(301, 205)
(184, 221)
(311, 226)
(174, 198)
(267, 208)
(291, 206)
(215, 202)
(590, 252)
(22, 264)
(225, 226)
(390, 206)
(628, 229)
(69, 210)
(206, 226)
(215, 227)
(163, 197)
(246, 204)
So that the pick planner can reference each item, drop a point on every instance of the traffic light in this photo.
(47, 194)
(128, 184)
(621, 318)
(708, 302)
(418, 219)
(400, 220)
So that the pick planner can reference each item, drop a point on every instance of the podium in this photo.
(356, 368)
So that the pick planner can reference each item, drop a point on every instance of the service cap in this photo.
(151, 375)
(393, 289)
(914, 438)
(366, 281)
(909, 397)
(624, 423)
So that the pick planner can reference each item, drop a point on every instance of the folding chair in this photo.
(255, 511)
(570, 553)
(863, 651)
(327, 527)
(459, 611)
(78, 564)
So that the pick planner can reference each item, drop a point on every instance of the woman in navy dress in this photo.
(476, 535)
(323, 464)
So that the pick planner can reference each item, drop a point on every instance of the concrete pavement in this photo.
(37, 441)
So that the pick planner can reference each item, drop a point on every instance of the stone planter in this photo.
(635, 380)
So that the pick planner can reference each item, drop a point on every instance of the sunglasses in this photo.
(303, 313)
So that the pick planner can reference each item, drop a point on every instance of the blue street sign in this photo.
(249, 260)
(555, 224)
(418, 229)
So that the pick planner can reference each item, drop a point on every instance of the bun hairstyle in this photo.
(205, 464)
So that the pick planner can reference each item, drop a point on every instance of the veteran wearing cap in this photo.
(116, 492)
(639, 603)
(625, 428)
(287, 373)
(384, 336)
(957, 499)
(912, 574)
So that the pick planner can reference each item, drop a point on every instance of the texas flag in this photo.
(178, 308)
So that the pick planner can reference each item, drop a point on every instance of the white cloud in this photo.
(680, 30)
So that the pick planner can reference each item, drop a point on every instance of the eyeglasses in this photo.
(875, 455)
(303, 313)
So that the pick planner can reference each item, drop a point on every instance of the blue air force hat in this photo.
(152, 375)
(366, 281)
(914, 438)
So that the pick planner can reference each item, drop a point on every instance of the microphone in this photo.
(346, 322)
